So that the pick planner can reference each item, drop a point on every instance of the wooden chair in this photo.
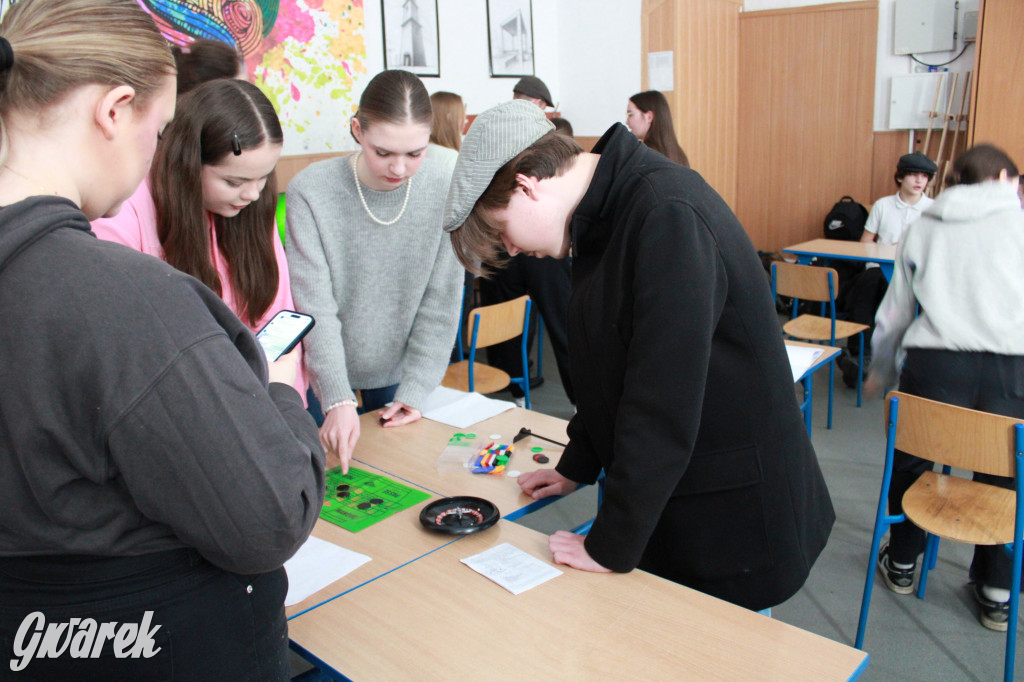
(811, 283)
(948, 506)
(493, 324)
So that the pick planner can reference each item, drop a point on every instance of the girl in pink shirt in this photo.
(208, 205)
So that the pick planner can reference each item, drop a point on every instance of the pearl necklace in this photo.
(359, 189)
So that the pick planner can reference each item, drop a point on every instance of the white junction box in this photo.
(924, 26)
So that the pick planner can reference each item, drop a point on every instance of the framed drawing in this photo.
(411, 36)
(510, 37)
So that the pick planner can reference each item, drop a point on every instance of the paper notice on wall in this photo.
(659, 71)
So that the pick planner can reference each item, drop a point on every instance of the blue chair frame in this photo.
(831, 303)
(883, 520)
(522, 381)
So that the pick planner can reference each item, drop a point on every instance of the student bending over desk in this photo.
(685, 394)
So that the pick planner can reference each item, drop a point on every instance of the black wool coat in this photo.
(684, 393)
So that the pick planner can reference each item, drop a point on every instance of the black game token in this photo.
(459, 515)
(542, 459)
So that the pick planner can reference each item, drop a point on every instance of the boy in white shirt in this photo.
(889, 217)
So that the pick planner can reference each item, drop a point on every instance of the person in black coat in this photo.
(684, 392)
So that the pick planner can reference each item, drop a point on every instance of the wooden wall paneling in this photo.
(806, 109)
(887, 148)
(289, 166)
(703, 36)
(999, 93)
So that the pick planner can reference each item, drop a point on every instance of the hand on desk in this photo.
(546, 482)
(398, 414)
(339, 434)
(567, 549)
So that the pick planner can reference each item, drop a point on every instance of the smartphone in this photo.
(283, 333)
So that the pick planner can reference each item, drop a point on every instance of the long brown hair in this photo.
(661, 136)
(208, 120)
(449, 117)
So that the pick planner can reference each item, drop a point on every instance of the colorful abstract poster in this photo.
(304, 54)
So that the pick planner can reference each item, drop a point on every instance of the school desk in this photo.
(435, 619)
(828, 355)
(837, 249)
(409, 455)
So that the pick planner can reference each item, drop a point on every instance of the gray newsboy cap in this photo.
(496, 137)
(531, 86)
(916, 162)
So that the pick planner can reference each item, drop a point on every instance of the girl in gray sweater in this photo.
(369, 262)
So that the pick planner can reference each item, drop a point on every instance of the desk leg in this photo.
(886, 270)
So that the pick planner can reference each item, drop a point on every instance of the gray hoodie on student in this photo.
(962, 262)
(135, 415)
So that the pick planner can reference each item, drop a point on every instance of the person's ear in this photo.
(114, 108)
(1004, 176)
(527, 184)
(649, 117)
(356, 130)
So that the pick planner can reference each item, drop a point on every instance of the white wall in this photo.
(887, 64)
(586, 51)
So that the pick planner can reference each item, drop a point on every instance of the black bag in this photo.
(846, 220)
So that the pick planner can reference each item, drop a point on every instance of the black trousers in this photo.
(213, 625)
(860, 303)
(548, 282)
(979, 381)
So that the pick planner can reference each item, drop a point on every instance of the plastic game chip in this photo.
(541, 459)
(459, 515)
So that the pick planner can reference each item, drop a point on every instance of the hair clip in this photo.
(236, 146)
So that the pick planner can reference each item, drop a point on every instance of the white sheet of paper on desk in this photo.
(316, 565)
(801, 359)
(512, 568)
(461, 409)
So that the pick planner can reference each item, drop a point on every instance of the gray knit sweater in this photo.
(385, 298)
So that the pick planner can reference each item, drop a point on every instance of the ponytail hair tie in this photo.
(236, 146)
(6, 55)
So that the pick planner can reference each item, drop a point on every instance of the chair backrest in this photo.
(804, 282)
(499, 322)
(957, 436)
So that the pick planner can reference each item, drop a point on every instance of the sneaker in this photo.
(993, 614)
(899, 580)
(520, 402)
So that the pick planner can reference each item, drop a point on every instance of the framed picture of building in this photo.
(510, 37)
(411, 36)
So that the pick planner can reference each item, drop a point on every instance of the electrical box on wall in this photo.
(970, 28)
(924, 26)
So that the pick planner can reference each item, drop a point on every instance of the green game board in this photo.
(360, 499)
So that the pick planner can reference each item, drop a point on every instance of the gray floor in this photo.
(938, 638)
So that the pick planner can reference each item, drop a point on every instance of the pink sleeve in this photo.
(135, 224)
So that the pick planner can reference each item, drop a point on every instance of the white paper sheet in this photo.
(660, 71)
(801, 359)
(316, 565)
(512, 568)
(461, 409)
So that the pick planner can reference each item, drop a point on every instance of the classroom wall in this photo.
(887, 64)
(704, 38)
(586, 51)
(805, 117)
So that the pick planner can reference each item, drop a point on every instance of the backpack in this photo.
(846, 220)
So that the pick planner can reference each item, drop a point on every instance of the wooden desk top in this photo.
(437, 619)
(837, 248)
(409, 453)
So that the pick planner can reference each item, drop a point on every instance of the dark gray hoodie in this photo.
(134, 410)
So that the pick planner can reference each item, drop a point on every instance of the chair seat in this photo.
(961, 509)
(486, 379)
(816, 328)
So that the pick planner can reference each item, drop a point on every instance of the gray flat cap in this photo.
(531, 86)
(496, 137)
